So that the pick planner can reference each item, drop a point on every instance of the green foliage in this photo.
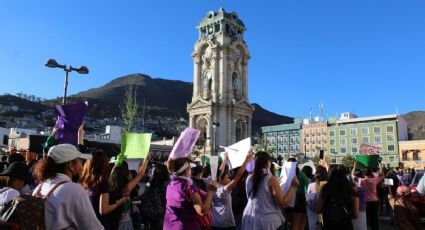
(200, 145)
(129, 109)
(348, 161)
(261, 145)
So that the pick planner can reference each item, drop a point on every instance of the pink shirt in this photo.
(369, 185)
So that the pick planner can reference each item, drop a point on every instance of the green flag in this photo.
(135, 145)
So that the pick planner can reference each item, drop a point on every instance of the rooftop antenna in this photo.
(321, 108)
(396, 110)
(311, 116)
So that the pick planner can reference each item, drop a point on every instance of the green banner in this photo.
(370, 161)
(135, 145)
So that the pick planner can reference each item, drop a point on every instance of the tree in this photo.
(129, 109)
(348, 161)
(200, 146)
(261, 145)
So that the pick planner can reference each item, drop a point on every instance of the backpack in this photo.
(26, 211)
(337, 213)
(152, 206)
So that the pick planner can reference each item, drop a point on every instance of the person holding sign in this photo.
(183, 198)
(265, 197)
(95, 181)
(121, 184)
(222, 214)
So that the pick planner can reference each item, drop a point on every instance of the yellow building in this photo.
(412, 154)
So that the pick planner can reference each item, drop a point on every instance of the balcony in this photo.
(405, 159)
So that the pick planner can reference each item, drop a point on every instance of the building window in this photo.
(323, 130)
(391, 159)
(378, 139)
(376, 129)
(365, 131)
(342, 141)
(353, 131)
(280, 149)
(365, 140)
(332, 150)
(311, 131)
(285, 148)
(404, 155)
(332, 141)
(390, 137)
(354, 140)
(333, 160)
(332, 133)
(415, 155)
(353, 149)
(342, 132)
(390, 129)
(343, 150)
(391, 148)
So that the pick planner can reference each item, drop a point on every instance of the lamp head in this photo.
(52, 63)
(83, 70)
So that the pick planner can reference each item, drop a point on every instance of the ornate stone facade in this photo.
(220, 106)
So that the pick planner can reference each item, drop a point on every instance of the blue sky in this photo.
(362, 56)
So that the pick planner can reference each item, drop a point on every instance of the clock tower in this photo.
(220, 106)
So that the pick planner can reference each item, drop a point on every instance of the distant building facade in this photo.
(412, 154)
(285, 140)
(314, 137)
(346, 134)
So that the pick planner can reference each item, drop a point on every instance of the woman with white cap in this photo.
(68, 206)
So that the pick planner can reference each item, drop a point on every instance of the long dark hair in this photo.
(261, 161)
(95, 171)
(160, 177)
(338, 186)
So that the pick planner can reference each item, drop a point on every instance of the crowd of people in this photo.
(91, 191)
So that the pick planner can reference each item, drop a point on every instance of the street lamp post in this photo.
(53, 64)
(215, 125)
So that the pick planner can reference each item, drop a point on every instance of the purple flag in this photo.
(185, 144)
(70, 118)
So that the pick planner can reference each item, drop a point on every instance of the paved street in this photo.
(384, 223)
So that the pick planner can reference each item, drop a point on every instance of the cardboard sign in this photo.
(185, 144)
(70, 118)
(388, 181)
(237, 152)
(287, 175)
(308, 163)
(135, 145)
(214, 166)
(369, 149)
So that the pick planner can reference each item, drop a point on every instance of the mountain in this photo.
(416, 124)
(161, 96)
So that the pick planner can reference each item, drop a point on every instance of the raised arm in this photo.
(132, 184)
(353, 171)
(240, 172)
(282, 199)
(105, 207)
(223, 164)
(202, 207)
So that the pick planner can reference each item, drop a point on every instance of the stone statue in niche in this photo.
(235, 85)
(207, 82)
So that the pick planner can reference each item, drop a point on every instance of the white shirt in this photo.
(7, 194)
(68, 207)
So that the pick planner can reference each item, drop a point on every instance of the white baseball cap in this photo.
(66, 152)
